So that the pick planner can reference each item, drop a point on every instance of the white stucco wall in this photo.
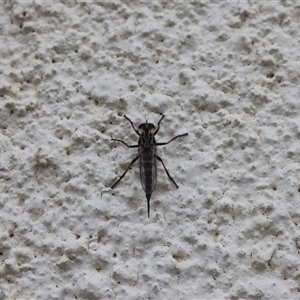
(226, 73)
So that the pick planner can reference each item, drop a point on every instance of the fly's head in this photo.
(146, 134)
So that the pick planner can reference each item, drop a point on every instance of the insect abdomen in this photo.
(148, 170)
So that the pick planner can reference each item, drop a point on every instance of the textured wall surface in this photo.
(226, 73)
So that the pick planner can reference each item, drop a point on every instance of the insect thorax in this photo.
(146, 135)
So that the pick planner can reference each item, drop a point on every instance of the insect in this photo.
(148, 157)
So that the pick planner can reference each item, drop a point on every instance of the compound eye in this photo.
(146, 127)
(150, 127)
(142, 126)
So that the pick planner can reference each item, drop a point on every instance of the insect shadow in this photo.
(148, 157)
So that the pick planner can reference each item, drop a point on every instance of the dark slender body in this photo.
(148, 165)
(148, 157)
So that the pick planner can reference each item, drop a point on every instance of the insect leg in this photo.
(133, 146)
(174, 138)
(166, 170)
(156, 131)
(134, 160)
(132, 125)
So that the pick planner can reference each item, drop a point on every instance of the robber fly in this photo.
(148, 158)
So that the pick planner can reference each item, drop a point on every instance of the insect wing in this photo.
(148, 169)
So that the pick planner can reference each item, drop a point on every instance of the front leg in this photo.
(132, 125)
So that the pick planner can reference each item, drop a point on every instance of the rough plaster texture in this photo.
(228, 73)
